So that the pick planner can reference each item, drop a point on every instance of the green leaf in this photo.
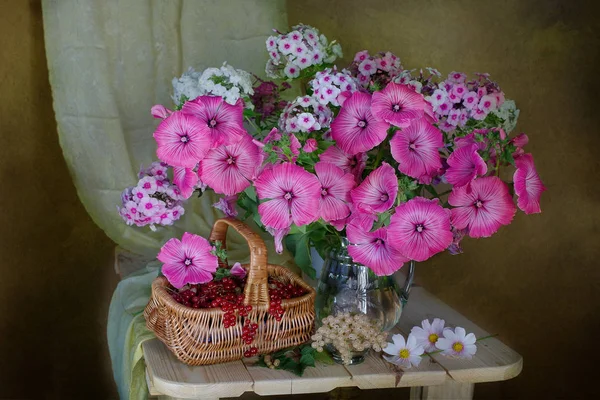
(307, 349)
(298, 245)
(222, 273)
(219, 251)
(251, 193)
(307, 360)
(324, 357)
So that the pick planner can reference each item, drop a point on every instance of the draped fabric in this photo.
(110, 61)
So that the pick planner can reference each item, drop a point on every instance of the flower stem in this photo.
(378, 157)
(256, 128)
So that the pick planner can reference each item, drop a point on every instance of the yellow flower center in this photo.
(404, 353)
(433, 338)
(457, 347)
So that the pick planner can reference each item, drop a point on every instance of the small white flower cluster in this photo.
(329, 83)
(299, 49)
(227, 82)
(348, 333)
(405, 78)
(509, 112)
(367, 65)
(305, 114)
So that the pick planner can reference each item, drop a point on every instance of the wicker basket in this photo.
(198, 337)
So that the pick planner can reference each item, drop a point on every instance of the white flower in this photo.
(403, 353)
(271, 43)
(187, 85)
(509, 112)
(291, 70)
(457, 343)
(306, 121)
(428, 333)
(285, 46)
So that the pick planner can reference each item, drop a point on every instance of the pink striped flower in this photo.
(528, 185)
(186, 180)
(354, 164)
(465, 164)
(335, 191)
(278, 235)
(188, 260)
(398, 105)
(374, 250)
(482, 207)
(181, 140)
(355, 130)
(416, 150)
(420, 228)
(224, 122)
(377, 192)
(289, 194)
(229, 169)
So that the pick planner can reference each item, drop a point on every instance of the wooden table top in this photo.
(494, 361)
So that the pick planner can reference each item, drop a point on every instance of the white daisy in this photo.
(428, 333)
(457, 343)
(403, 353)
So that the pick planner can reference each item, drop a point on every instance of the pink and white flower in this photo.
(416, 149)
(278, 235)
(377, 192)
(456, 343)
(420, 228)
(354, 164)
(355, 129)
(227, 206)
(398, 105)
(186, 180)
(465, 164)
(428, 333)
(367, 67)
(470, 100)
(373, 249)
(182, 140)
(222, 121)
(310, 145)
(482, 207)
(528, 185)
(289, 194)
(335, 191)
(188, 261)
(487, 103)
(238, 271)
(405, 354)
(292, 70)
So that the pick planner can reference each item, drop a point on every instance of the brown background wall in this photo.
(536, 282)
(56, 272)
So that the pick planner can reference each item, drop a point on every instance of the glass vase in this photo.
(348, 287)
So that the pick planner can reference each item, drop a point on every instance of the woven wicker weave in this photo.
(198, 337)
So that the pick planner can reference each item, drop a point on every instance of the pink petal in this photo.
(353, 164)
(528, 185)
(373, 250)
(335, 191)
(181, 140)
(171, 252)
(378, 191)
(275, 213)
(185, 179)
(278, 235)
(224, 122)
(176, 274)
(465, 164)
(238, 271)
(159, 111)
(398, 105)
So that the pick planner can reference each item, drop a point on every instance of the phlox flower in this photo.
(150, 206)
(528, 185)
(227, 206)
(470, 100)
(465, 164)
(361, 56)
(373, 249)
(367, 67)
(454, 117)
(289, 194)
(181, 140)
(416, 150)
(335, 191)
(291, 71)
(188, 261)
(478, 114)
(271, 43)
(355, 129)
(487, 103)
(285, 46)
(398, 105)
(438, 97)
(310, 145)
(403, 353)
(354, 164)
(229, 169)
(482, 207)
(428, 333)
(456, 343)
(420, 228)
(148, 184)
(443, 108)
(378, 191)
(222, 121)
(305, 121)
(457, 77)
(459, 90)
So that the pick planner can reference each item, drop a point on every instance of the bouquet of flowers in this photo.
(403, 163)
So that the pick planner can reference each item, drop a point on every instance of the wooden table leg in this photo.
(449, 390)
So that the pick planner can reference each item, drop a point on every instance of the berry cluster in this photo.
(279, 291)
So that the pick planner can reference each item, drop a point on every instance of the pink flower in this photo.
(335, 191)
(398, 105)
(487, 103)
(159, 111)
(457, 77)
(227, 206)
(278, 235)
(185, 179)
(420, 228)
(528, 185)
(361, 56)
(373, 250)
(470, 100)
(150, 206)
(229, 169)
(353, 164)
(238, 271)
(224, 122)
(310, 145)
(416, 150)
(289, 194)
(355, 130)
(483, 207)
(182, 141)
(188, 261)
(465, 164)
(378, 191)
(367, 67)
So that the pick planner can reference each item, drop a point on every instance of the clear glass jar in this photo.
(346, 286)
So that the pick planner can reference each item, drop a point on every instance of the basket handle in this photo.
(257, 290)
